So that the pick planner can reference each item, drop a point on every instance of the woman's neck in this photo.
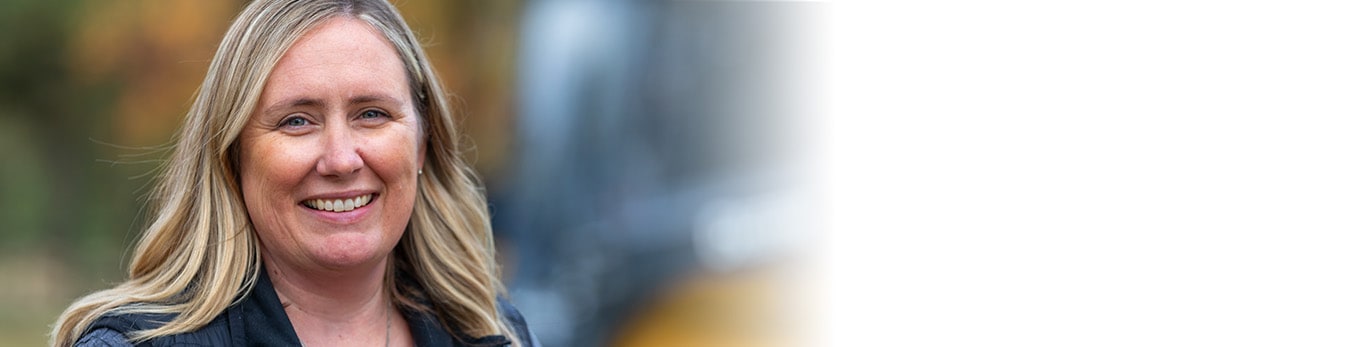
(330, 306)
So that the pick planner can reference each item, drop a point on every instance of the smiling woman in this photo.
(340, 130)
(315, 196)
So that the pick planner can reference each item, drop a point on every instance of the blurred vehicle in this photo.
(654, 143)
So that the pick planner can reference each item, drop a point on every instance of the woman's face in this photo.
(330, 157)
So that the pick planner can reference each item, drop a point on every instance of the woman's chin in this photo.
(350, 250)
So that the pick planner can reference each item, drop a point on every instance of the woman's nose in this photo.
(341, 156)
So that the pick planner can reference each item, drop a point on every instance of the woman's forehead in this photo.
(342, 58)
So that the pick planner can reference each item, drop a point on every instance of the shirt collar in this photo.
(260, 320)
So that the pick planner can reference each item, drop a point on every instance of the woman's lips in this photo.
(339, 205)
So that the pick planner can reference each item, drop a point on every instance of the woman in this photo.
(315, 196)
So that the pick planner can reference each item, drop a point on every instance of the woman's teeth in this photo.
(340, 205)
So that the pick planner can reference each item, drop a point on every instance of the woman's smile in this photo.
(340, 211)
(338, 205)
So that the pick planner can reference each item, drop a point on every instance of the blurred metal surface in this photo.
(652, 143)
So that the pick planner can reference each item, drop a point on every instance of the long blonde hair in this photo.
(200, 255)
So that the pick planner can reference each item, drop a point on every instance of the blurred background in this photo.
(645, 161)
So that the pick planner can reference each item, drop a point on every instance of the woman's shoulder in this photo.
(125, 323)
(103, 337)
(115, 330)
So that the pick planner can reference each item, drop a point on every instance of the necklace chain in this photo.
(388, 325)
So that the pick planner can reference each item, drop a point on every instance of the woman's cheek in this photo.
(395, 154)
(291, 160)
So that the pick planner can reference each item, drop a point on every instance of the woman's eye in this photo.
(295, 122)
(371, 114)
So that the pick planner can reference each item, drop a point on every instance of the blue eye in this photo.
(295, 121)
(371, 114)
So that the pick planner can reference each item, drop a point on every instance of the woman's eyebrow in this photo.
(371, 98)
(293, 103)
(312, 102)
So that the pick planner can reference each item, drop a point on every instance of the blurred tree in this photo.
(473, 47)
(49, 178)
(46, 181)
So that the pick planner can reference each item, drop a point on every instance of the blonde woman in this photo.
(315, 196)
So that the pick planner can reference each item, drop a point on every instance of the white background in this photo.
(1096, 173)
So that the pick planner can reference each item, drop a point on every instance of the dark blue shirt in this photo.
(260, 320)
